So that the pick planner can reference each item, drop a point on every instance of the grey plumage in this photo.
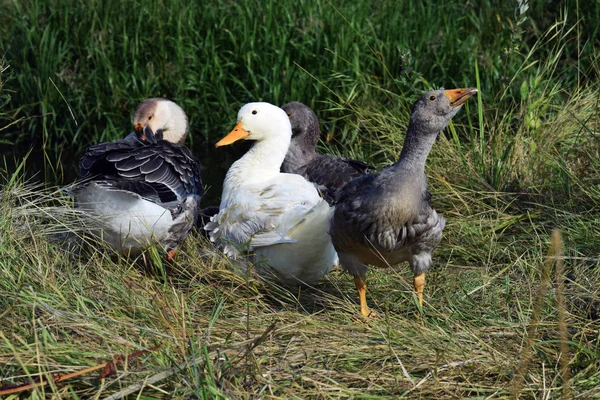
(330, 173)
(387, 218)
(162, 172)
(184, 217)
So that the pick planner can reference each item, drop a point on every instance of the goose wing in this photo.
(362, 214)
(161, 172)
(373, 217)
(333, 173)
(263, 214)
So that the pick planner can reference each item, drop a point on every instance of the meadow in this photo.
(512, 310)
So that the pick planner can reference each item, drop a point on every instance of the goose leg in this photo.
(419, 282)
(171, 255)
(361, 288)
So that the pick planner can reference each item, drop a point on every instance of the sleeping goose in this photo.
(279, 217)
(143, 189)
(387, 218)
(330, 173)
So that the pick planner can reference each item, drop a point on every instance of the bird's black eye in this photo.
(149, 118)
(432, 97)
(254, 112)
(289, 114)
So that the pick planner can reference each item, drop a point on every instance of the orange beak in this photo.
(236, 134)
(459, 96)
(139, 129)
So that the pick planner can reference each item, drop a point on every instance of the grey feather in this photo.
(329, 173)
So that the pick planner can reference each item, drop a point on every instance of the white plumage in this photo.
(126, 221)
(279, 217)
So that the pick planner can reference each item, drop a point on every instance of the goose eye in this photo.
(149, 118)
(254, 112)
(432, 97)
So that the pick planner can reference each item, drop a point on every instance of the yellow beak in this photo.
(459, 96)
(236, 134)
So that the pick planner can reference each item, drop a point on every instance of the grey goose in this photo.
(386, 218)
(144, 189)
(330, 173)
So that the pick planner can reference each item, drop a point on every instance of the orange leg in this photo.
(171, 255)
(361, 288)
(419, 281)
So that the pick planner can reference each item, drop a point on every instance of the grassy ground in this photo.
(519, 161)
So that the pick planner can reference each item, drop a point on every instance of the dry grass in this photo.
(510, 171)
(228, 336)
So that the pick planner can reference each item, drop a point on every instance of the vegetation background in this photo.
(521, 159)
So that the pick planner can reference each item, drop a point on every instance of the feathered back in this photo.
(162, 172)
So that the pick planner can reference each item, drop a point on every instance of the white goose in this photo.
(281, 217)
(144, 189)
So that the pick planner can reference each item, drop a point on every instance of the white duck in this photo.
(280, 217)
(144, 189)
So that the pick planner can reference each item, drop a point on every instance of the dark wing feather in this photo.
(161, 172)
(152, 165)
(361, 187)
(184, 166)
(95, 157)
(131, 164)
(362, 210)
(357, 213)
(334, 173)
(358, 166)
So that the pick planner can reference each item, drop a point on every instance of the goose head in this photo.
(259, 122)
(305, 124)
(165, 119)
(432, 112)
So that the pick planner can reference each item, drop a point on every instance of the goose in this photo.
(330, 173)
(143, 189)
(386, 218)
(279, 217)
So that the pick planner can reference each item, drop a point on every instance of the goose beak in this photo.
(236, 134)
(458, 97)
(158, 135)
(145, 134)
(138, 128)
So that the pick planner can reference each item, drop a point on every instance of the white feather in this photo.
(280, 217)
(127, 221)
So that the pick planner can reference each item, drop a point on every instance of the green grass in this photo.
(99, 60)
(519, 160)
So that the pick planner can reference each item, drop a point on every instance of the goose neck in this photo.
(262, 162)
(416, 148)
(298, 155)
